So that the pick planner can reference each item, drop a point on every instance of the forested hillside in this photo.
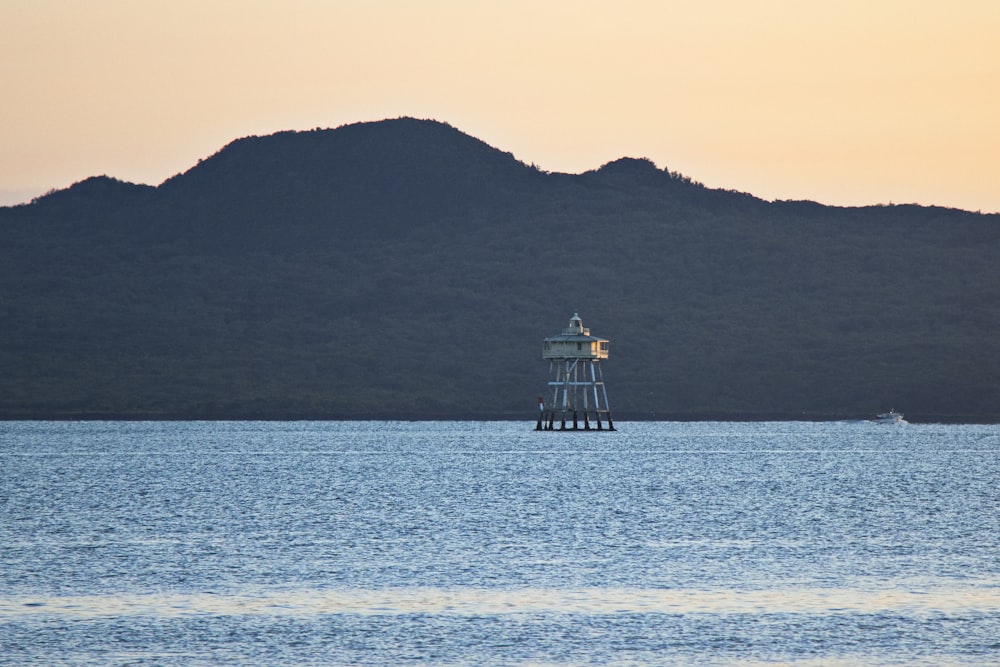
(405, 269)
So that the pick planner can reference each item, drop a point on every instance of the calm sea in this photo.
(486, 543)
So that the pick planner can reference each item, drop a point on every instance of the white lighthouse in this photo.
(575, 389)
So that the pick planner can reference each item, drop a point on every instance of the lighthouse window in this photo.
(604, 346)
(579, 346)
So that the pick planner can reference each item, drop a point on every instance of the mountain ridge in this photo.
(403, 267)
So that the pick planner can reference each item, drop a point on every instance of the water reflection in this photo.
(915, 600)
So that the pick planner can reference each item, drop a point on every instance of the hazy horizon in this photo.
(863, 103)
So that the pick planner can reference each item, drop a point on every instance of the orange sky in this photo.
(852, 102)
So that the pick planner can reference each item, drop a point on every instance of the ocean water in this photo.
(487, 543)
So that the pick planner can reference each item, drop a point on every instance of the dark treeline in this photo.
(404, 269)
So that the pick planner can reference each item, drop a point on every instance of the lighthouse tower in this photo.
(576, 387)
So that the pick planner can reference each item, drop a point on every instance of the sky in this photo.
(849, 103)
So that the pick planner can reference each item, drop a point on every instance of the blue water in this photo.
(487, 543)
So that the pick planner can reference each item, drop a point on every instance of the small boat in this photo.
(891, 417)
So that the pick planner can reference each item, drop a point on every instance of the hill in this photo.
(405, 269)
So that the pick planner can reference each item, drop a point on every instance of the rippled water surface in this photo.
(487, 543)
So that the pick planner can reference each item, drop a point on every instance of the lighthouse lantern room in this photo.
(575, 389)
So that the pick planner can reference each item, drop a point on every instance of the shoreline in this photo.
(527, 417)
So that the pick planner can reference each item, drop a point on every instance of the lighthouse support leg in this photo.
(607, 406)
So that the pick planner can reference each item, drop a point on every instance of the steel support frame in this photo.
(575, 390)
